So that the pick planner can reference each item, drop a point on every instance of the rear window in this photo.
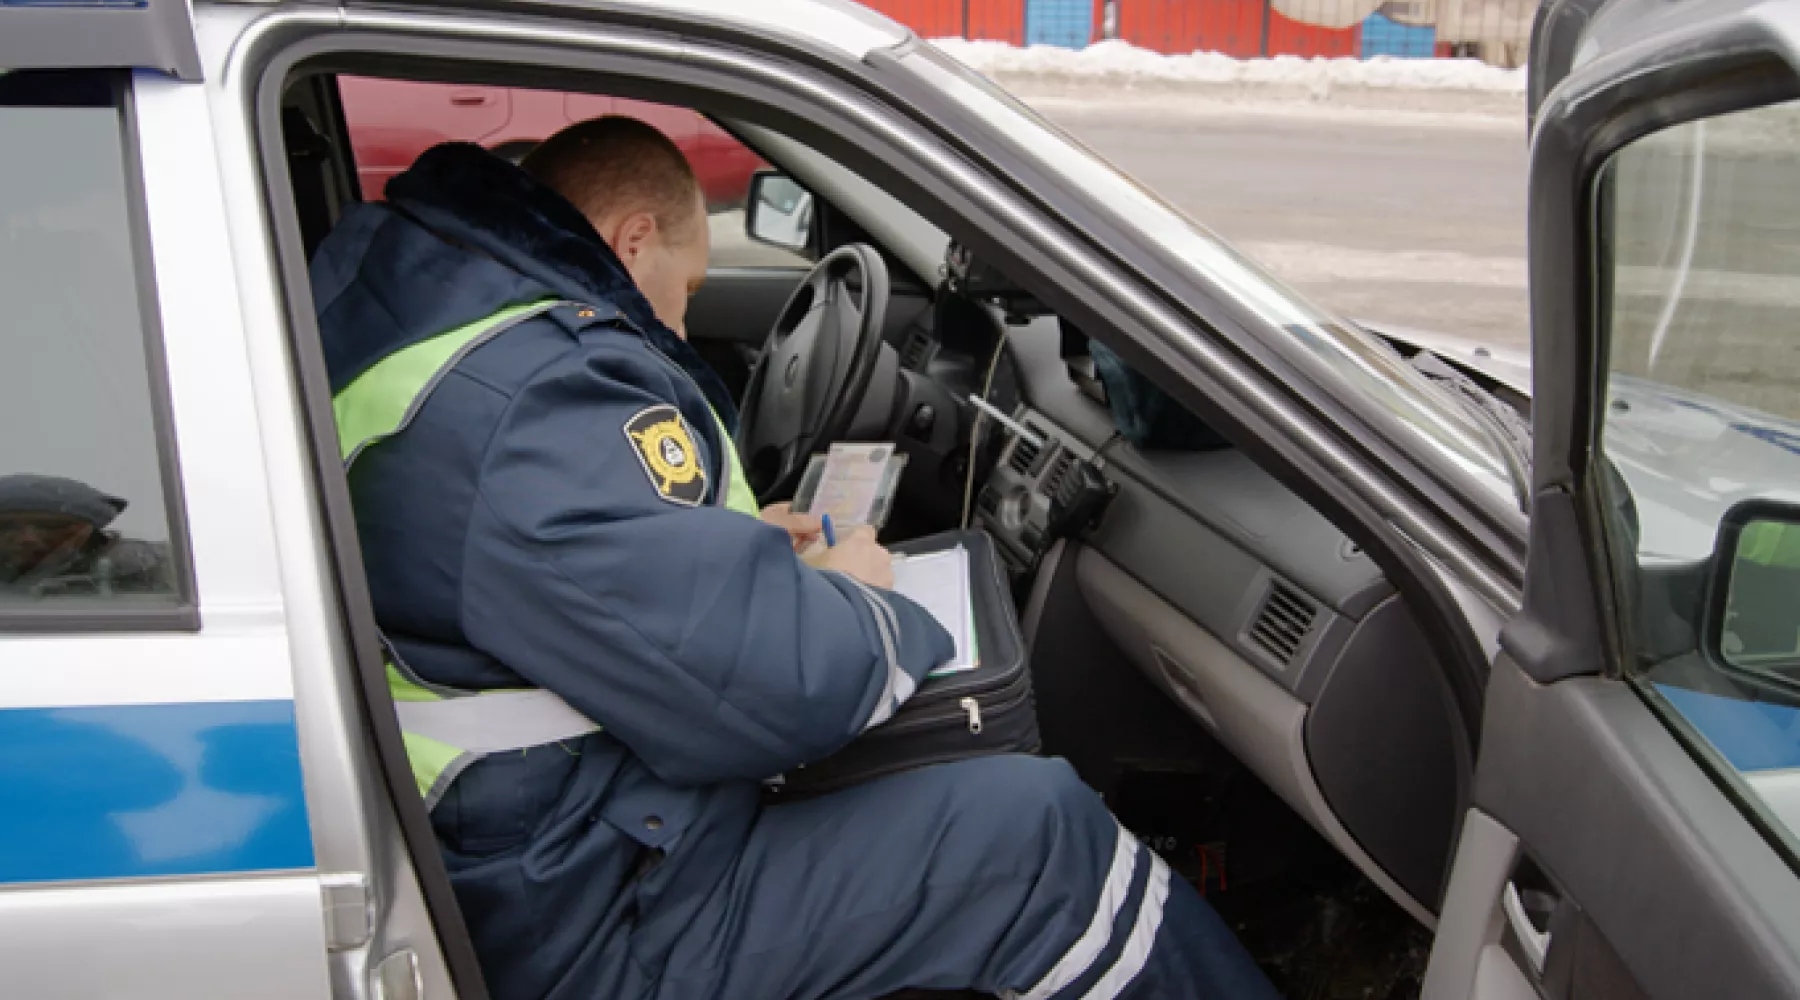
(392, 121)
(86, 485)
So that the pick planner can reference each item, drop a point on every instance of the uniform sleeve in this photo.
(692, 633)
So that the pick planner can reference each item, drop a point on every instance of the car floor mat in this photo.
(1316, 926)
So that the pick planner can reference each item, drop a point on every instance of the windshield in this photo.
(1363, 367)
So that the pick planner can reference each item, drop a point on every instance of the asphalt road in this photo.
(1411, 219)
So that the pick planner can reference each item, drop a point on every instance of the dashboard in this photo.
(1227, 591)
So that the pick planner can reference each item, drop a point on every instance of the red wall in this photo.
(1002, 20)
(1288, 37)
(1233, 27)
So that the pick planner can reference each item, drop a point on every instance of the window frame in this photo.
(1617, 572)
(101, 615)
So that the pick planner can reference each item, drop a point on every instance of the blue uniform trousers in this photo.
(1005, 875)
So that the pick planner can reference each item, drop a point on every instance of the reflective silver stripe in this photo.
(899, 685)
(490, 723)
(881, 602)
(1081, 954)
(1143, 936)
(899, 688)
(885, 618)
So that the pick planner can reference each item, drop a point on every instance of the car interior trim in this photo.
(1223, 490)
(1262, 724)
(1361, 664)
(1585, 827)
(1385, 751)
(1048, 568)
(1469, 926)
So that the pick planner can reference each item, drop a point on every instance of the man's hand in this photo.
(803, 529)
(859, 555)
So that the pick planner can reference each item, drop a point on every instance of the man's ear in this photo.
(632, 237)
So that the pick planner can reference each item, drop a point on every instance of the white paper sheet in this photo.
(939, 583)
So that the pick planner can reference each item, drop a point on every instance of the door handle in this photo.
(468, 100)
(397, 977)
(1534, 943)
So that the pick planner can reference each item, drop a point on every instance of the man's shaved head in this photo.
(613, 166)
(639, 193)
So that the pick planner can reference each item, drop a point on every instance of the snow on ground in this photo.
(1118, 62)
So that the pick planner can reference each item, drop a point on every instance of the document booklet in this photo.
(854, 483)
(939, 583)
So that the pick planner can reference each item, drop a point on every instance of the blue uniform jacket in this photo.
(515, 535)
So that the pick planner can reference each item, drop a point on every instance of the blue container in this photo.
(1382, 36)
(1067, 23)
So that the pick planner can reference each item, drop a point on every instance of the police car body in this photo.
(204, 789)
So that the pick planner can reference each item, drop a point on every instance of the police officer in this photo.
(54, 542)
(599, 647)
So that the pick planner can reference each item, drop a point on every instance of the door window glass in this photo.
(392, 121)
(1701, 238)
(85, 509)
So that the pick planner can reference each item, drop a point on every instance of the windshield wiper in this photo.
(1510, 432)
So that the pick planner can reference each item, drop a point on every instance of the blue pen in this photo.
(830, 536)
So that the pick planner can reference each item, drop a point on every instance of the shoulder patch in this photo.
(668, 454)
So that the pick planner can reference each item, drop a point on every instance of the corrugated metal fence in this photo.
(1000, 20)
(1493, 30)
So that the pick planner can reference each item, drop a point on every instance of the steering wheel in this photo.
(814, 368)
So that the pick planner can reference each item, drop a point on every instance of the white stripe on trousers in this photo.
(1080, 956)
(1143, 936)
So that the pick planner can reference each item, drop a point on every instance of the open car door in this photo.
(1632, 826)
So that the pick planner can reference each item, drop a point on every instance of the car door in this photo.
(164, 832)
(1626, 836)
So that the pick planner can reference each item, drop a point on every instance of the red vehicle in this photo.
(393, 121)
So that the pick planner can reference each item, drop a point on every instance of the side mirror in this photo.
(779, 212)
(1753, 620)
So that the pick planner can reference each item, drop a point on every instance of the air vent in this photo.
(1059, 467)
(1024, 454)
(916, 350)
(1281, 624)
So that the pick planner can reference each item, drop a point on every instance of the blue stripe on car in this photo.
(1752, 735)
(124, 791)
